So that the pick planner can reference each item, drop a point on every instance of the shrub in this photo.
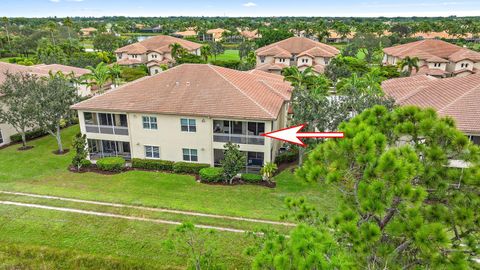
(111, 164)
(211, 174)
(150, 164)
(29, 135)
(251, 178)
(185, 167)
(286, 157)
(86, 163)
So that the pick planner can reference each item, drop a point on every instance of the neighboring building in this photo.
(214, 34)
(436, 58)
(249, 34)
(87, 31)
(189, 33)
(334, 37)
(295, 51)
(188, 113)
(153, 52)
(457, 97)
(7, 130)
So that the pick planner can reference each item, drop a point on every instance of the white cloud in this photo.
(250, 4)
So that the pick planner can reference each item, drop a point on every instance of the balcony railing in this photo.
(238, 138)
(98, 155)
(116, 130)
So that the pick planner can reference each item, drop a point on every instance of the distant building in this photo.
(153, 52)
(295, 51)
(457, 97)
(88, 31)
(436, 58)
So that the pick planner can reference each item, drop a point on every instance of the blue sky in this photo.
(363, 8)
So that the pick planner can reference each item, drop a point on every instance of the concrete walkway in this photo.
(187, 213)
(103, 214)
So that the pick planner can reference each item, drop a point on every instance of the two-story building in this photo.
(436, 58)
(457, 97)
(7, 130)
(295, 51)
(153, 52)
(188, 113)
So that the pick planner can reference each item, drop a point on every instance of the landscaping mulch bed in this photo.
(26, 148)
(65, 151)
(238, 181)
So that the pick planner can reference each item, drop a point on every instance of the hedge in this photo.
(111, 164)
(185, 167)
(211, 174)
(37, 133)
(251, 178)
(151, 164)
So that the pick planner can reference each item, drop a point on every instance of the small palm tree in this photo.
(175, 50)
(410, 63)
(268, 170)
(115, 72)
(6, 23)
(69, 24)
(99, 76)
(206, 51)
(52, 27)
(299, 78)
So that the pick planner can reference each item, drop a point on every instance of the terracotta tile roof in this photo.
(436, 59)
(425, 70)
(427, 48)
(433, 35)
(39, 70)
(458, 97)
(318, 52)
(273, 51)
(157, 43)
(129, 61)
(319, 68)
(62, 68)
(187, 33)
(335, 35)
(216, 31)
(249, 34)
(198, 89)
(152, 63)
(297, 45)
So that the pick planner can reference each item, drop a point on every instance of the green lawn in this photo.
(5, 59)
(39, 171)
(30, 237)
(228, 55)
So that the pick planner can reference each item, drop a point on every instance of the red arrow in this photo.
(293, 135)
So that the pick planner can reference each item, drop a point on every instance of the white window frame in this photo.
(151, 149)
(152, 125)
(189, 153)
(189, 126)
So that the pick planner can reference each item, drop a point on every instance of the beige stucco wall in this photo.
(279, 61)
(300, 59)
(458, 65)
(7, 131)
(151, 55)
(443, 66)
(268, 59)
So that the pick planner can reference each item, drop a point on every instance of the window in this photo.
(119, 55)
(464, 65)
(152, 151)
(255, 128)
(149, 122)
(88, 118)
(190, 154)
(154, 56)
(437, 64)
(262, 59)
(106, 119)
(188, 125)
(327, 60)
(1, 137)
(305, 60)
(134, 56)
(282, 60)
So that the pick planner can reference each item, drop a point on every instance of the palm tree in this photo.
(99, 76)
(175, 49)
(6, 23)
(299, 79)
(206, 51)
(115, 72)
(410, 63)
(52, 27)
(69, 24)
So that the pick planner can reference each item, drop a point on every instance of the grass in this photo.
(61, 239)
(39, 171)
(6, 59)
(32, 237)
(228, 55)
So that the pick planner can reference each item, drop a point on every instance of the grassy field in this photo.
(228, 55)
(31, 237)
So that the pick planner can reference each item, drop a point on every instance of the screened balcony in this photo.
(239, 132)
(106, 123)
(104, 148)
